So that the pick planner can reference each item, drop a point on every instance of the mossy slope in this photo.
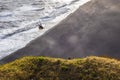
(45, 68)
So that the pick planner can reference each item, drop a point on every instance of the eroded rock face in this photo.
(94, 29)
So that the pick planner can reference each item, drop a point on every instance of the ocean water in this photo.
(19, 20)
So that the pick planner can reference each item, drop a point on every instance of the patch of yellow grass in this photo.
(46, 68)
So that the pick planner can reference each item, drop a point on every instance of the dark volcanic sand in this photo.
(94, 29)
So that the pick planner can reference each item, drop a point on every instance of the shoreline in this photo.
(93, 29)
(18, 41)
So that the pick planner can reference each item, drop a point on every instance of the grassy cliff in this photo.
(45, 68)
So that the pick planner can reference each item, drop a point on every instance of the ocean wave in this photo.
(19, 20)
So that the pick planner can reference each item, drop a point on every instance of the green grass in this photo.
(45, 68)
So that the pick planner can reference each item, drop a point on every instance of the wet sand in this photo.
(94, 29)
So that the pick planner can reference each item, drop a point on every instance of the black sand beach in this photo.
(94, 29)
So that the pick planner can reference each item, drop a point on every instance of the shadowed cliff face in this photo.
(94, 29)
